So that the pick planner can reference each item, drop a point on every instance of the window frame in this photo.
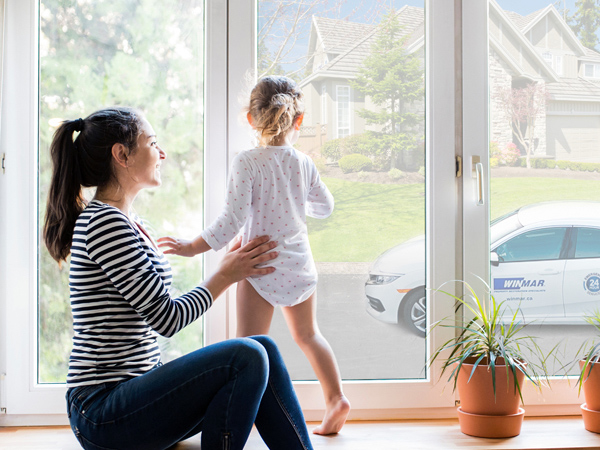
(561, 399)
(323, 105)
(338, 128)
(382, 399)
(227, 55)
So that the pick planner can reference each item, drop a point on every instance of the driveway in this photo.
(364, 347)
(368, 349)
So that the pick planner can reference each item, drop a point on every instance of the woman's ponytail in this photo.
(85, 161)
(65, 199)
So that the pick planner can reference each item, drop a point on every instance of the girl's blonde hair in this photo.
(275, 103)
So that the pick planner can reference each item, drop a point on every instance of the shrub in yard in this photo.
(355, 163)
(395, 174)
(421, 171)
(494, 162)
(505, 156)
(321, 165)
(510, 154)
(332, 150)
(562, 164)
(590, 167)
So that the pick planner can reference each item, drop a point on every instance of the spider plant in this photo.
(490, 339)
(591, 351)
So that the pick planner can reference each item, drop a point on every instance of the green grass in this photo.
(371, 218)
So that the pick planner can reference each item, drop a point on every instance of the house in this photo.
(537, 48)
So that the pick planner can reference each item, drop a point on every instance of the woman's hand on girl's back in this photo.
(240, 262)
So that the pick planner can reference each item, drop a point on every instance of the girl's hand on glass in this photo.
(174, 246)
(241, 262)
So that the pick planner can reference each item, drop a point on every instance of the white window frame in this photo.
(338, 95)
(397, 398)
(323, 105)
(558, 65)
(548, 58)
(230, 51)
(562, 398)
(24, 401)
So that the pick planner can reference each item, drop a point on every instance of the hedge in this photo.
(543, 163)
(355, 163)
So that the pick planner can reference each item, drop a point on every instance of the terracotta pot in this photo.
(491, 426)
(591, 386)
(477, 395)
(591, 419)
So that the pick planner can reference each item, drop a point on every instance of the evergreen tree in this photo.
(393, 79)
(585, 22)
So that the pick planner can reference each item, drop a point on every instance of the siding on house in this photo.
(574, 138)
(539, 47)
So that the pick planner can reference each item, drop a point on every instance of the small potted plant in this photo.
(589, 378)
(488, 360)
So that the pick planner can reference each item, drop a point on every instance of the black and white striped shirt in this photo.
(120, 299)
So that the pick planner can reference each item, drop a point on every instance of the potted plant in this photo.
(488, 361)
(589, 378)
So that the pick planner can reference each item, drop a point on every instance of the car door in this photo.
(581, 289)
(529, 273)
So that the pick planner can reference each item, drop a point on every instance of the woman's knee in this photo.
(250, 352)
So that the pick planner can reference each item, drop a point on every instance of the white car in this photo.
(545, 260)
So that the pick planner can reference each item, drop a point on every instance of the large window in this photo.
(134, 53)
(343, 111)
(540, 143)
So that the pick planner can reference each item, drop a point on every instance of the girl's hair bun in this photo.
(275, 102)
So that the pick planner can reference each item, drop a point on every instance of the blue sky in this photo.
(523, 7)
(371, 11)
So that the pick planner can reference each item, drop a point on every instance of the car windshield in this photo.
(504, 225)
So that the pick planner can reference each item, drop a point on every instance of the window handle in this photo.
(479, 174)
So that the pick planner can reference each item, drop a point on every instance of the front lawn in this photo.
(371, 218)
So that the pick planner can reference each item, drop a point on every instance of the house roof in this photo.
(335, 34)
(521, 22)
(351, 42)
(571, 88)
(592, 55)
(410, 19)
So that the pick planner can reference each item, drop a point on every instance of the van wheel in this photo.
(413, 311)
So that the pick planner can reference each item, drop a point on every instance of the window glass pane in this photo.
(588, 243)
(137, 53)
(370, 253)
(533, 246)
(544, 166)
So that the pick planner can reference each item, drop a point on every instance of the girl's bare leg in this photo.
(302, 322)
(254, 313)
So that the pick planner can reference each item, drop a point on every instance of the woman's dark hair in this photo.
(83, 162)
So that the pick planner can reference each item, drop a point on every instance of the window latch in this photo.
(458, 166)
(3, 162)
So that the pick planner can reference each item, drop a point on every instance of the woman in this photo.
(120, 396)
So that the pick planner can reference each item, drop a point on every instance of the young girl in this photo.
(271, 191)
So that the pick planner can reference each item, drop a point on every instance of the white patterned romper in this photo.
(270, 192)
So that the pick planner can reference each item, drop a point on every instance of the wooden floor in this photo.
(537, 433)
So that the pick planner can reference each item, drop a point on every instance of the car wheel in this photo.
(413, 311)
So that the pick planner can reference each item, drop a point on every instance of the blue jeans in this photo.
(219, 390)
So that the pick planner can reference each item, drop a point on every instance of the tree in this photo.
(393, 79)
(284, 27)
(523, 106)
(585, 22)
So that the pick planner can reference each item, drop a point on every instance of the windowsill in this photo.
(558, 432)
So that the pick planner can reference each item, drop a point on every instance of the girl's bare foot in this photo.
(335, 417)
